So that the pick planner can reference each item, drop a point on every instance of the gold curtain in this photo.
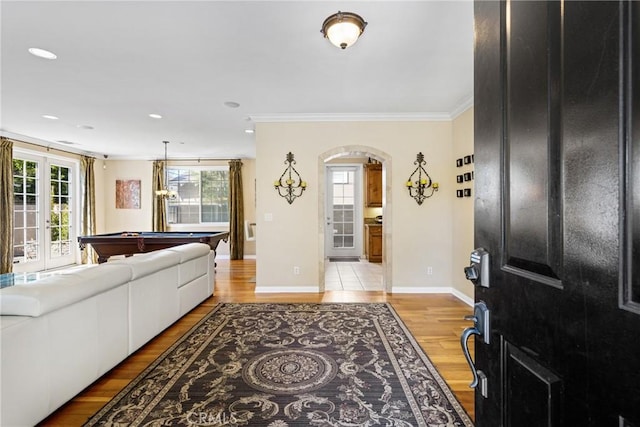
(88, 206)
(6, 207)
(236, 220)
(159, 204)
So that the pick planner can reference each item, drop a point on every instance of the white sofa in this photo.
(61, 333)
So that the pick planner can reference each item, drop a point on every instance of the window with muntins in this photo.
(202, 195)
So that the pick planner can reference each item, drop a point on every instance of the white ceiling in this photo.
(119, 61)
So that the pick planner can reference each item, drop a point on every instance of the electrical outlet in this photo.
(429, 271)
(296, 270)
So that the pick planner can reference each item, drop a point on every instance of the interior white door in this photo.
(343, 231)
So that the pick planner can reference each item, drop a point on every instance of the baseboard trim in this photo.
(434, 290)
(462, 297)
(286, 289)
(227, 256)
(396, 290)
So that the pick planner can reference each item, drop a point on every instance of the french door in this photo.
(343, 236)
(45, 216)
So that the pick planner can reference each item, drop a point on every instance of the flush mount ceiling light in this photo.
(41, 53)
(343, 28)
(155, 116)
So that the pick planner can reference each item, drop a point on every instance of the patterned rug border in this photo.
(459, 409)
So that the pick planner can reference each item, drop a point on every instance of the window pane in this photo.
(18, 167)
(18, 184)
(32, 169)
(32, 186)
(55, 173)
(32, 204)
(202, 196)
(32, 219)
(18, 219)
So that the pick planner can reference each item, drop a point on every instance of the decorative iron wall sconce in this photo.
(420, 184)
(290, 185)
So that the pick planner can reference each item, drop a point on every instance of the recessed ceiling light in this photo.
(50, 117)
(232, 104)
(155, 116)
(41, 53)
(249, 131)
(65, 142)
(87, 127)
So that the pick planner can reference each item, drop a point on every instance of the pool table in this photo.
(128, 243)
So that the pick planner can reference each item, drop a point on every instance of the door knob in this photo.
(481, 327)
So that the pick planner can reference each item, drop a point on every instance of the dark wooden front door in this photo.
(557, 205)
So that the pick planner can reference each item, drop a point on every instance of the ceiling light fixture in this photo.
(165, 193)
(231, 104)
(249, 131)
(343, 28)
(41, 53)
(155, 116)
(50, 117)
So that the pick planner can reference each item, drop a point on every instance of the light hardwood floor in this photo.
(436, 321)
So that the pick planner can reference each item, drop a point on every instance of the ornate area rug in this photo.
(279, 365)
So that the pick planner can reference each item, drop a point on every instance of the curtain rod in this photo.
(47, 147)
(199, 159)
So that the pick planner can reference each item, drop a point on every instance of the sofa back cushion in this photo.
(51, 293)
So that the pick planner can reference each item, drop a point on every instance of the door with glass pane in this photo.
(343, 232)
(44, 213)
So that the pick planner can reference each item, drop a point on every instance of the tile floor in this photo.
(353, 276)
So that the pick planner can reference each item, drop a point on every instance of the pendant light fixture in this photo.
(165, 193)
(343, 28)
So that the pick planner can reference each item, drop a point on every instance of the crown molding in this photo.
(68, 148)
(462, 107)
(351, 117)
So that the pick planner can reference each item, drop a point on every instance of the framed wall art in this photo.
(127, 194)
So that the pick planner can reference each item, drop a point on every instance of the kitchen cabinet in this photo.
(373, 185)
(374, 242)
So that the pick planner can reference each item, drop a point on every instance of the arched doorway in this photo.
(385, 159)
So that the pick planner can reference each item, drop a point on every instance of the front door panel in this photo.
(558, 208)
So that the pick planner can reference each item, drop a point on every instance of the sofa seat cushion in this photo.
(54, 292)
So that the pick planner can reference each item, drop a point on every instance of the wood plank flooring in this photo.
(435, 320)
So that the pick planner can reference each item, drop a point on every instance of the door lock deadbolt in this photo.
(478, 270)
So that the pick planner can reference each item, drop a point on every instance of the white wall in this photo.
(116, 220)
(463, 208)
(417, 236)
